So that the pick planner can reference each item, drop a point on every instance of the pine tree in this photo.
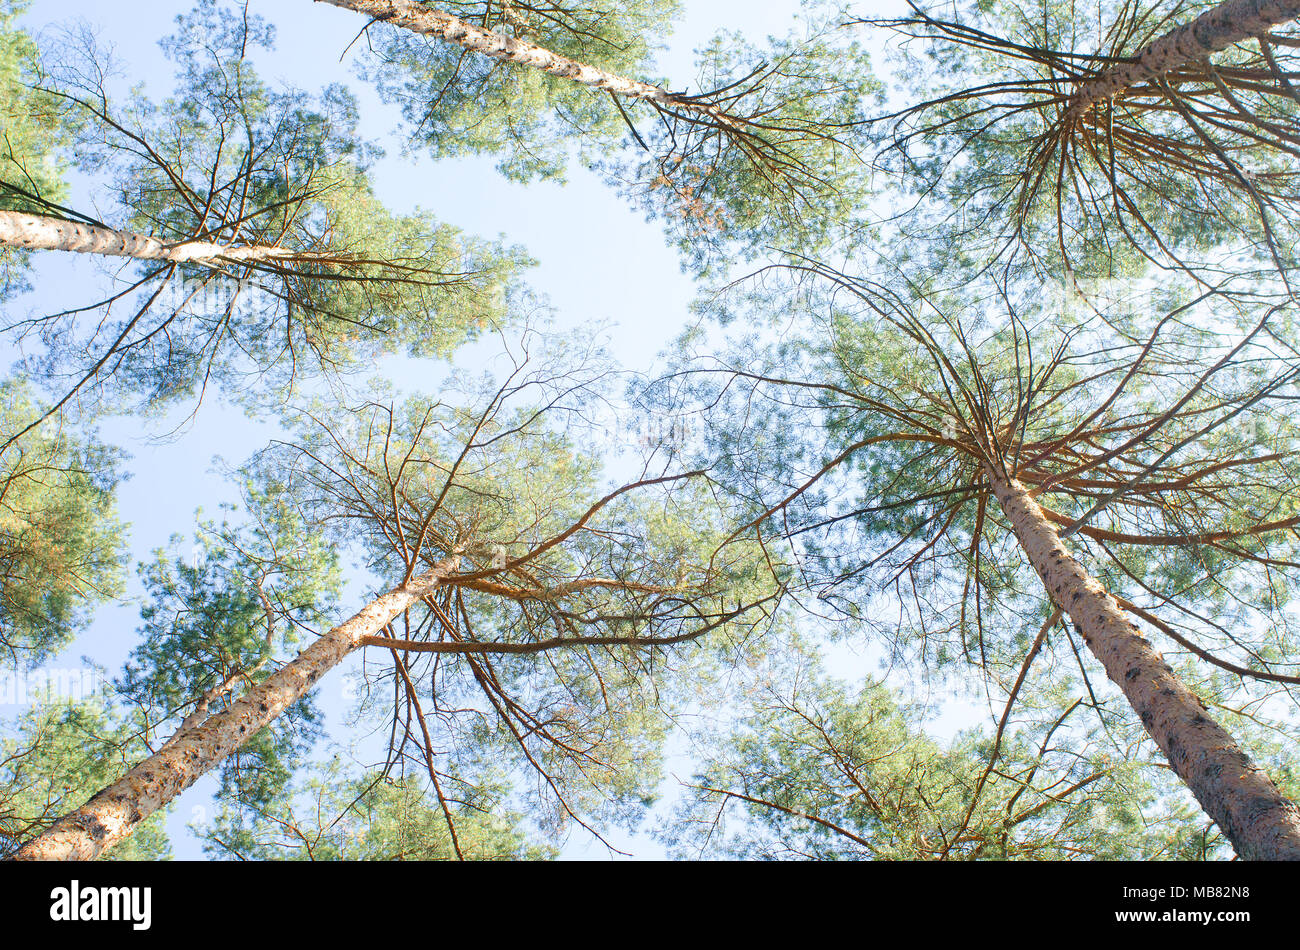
(768, 147)
(373, 817)
(264, 253)
(33, 132)
(58, 753)
(60, 540)
(811, 768)
(958, 453)
(1140, 126)
(558, 641)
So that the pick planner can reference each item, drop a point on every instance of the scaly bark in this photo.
(1232, 22)
(39, 232)
(1252, 813)
(421, 19)
(113, 813)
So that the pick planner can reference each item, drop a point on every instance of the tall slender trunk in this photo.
(39, 232)
(1252, 813)
(421, 19)
(113, 813)
(1231, 22)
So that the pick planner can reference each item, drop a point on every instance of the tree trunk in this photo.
(113, 813)
(1260, 823)
(421, 19)
(39, 232)
(1215, 30)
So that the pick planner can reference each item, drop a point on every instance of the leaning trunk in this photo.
(40, 232)
(418, 18)
(113, 813)
(1260, 823)
(1232, 22)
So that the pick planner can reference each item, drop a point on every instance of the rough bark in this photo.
(421, 19)
(113, 813)
(39, 232)
(1232, 22)
(1252, 813)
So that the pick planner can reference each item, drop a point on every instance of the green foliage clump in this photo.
(457, 103)
(60, 542)
(32, 134)
(57, 756)
(337, 816)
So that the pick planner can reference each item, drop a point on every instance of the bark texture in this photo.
(1232, 22)
(1252, 813)
(39, 232)
(421, 19)
(113, 813)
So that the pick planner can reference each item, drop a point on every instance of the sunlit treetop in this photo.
(31, 137)
(60, 540)
(336, 814)
(762, 149)
(1077, 135)
(456, 102)
(265, 254)
(814, 768)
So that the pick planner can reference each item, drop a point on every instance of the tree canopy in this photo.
(988, 391)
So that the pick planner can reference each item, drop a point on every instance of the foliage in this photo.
(221, 620)
(796, 177)
(1192, 170)
(765, 152)
(56, 756)
(32, 133)
(456, 103)
(581, 591)
(821, 770)
(60, 541)
(375, 818)
(1088, 294)
(334, 279)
